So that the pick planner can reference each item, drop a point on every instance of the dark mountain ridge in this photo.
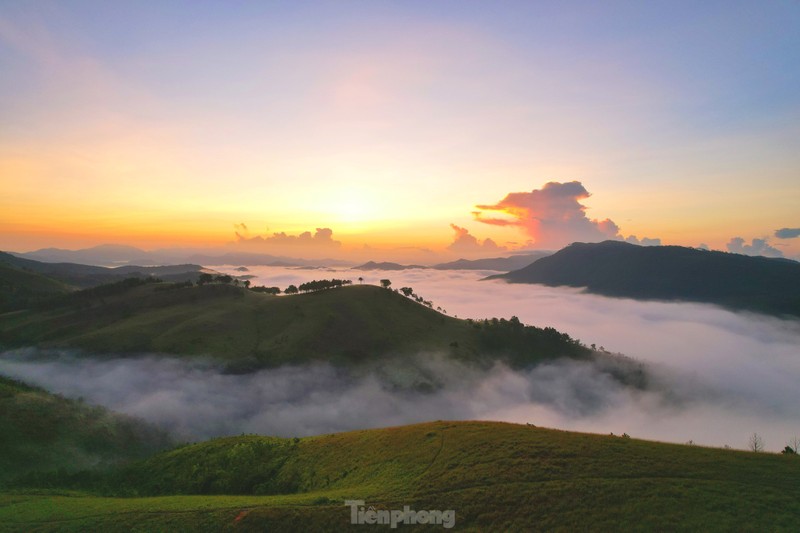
(619, 269)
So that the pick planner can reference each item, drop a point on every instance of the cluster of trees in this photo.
(525, 343)
(756, 444)
(320, 285)
(84, 297)
(206, 278)
(409, 292)
(267, 290)
(311, 286)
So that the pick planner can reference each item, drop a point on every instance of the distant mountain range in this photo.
(614, 268)
(493, 263)
(372, 265)
(118, 255)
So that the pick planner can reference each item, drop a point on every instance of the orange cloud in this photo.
(463, 242)
(552, 216)
(322, 237)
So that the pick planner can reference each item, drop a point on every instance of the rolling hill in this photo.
(619, 269)
(494, 476)
(347, 326)
(40, 431)
(20, 289)
(84, 276)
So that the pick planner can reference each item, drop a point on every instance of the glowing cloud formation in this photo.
(321, 237)
(552, 216)
(467, 244)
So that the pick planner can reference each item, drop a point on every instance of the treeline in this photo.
(409, 292)
(520, 342)
(85, 297)
(311, 286)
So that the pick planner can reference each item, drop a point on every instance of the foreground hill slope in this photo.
(495, 476)
(248, 330)
(42, 431)
(620, 269)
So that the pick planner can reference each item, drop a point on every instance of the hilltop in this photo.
(495, 476)
(41, 431)
(81, 276)
(614, 268)
(246, 330)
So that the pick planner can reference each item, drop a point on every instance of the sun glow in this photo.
(353, 208)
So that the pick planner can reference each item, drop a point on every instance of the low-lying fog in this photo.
(732, 374)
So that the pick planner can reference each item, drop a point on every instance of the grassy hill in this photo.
(41, 431)
(496, 476)
(614, 268)
(20, 289)
(345, 326)
(84, 276)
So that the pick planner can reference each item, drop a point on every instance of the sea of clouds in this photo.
(719, 376)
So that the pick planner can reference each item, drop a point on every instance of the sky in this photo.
(450, 127)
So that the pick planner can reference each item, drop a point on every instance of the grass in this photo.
(40, 431)
(20, 289)
(496, 476)
(346, 326)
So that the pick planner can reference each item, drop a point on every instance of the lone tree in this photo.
(755, 443)
(385, 283)
(360, 280)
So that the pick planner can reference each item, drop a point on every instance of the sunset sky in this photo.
(399, 125)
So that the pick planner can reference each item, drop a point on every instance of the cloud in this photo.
(735, 373)
(195, 399)
(787, 233)
(322, 237)
(552, 216)
(463, 242)
(645, 241)
(756, 247)
(720, 375)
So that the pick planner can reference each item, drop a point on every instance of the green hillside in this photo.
(614, 268)
(248, 330)
(84, 276)
(41, 431)
(20, 289)
(495, 476)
